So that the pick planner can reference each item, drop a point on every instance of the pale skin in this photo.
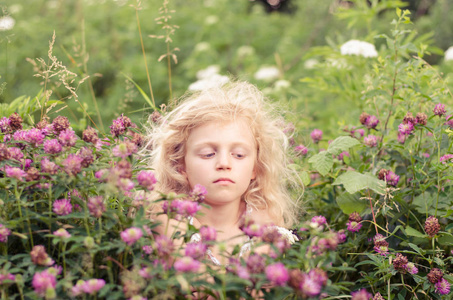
(221, 156)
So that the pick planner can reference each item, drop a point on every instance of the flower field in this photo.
(365, 88)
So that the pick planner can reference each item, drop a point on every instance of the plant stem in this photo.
(144, 55)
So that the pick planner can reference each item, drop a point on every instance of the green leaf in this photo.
(322, 162)
(354, 181)
(305, 178)
(416, 248)
(351, 203)
(342, 143)
(414, 232)
(142, 92)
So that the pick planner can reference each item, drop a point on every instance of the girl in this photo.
(231, 141)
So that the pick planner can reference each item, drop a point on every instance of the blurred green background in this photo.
(100, 39)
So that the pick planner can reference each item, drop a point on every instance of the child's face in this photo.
(221, 157)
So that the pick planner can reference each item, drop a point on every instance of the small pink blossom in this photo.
(96, 206)
(187, 264)
(316, 135)
(439, 109)
(131, 235)
(146, 179)
(52, 146)
(406, 128)
(62, 207)
(67, 138)
(370, 140)
(208, 233)
(42, 281)
(124, 149)
(361, 295)
(72, 164)
(5, 277)
(198, 193)
(14, 172)
(446, 158)
(277, 274)
(92, 286)
(4, 233)
(63, 233)
(301, 150)
(442, 287)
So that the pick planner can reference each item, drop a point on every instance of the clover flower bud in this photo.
(187, 264)
(32, 174)
(409, 118)
(92, 286)
(392, 178)
(301, 150)
(96, 206)
(146, 179)
(7, 277)
(120, 125)
(435, 275)
(442, 287)
(14, 172)
(60, 124)
(62, 233)
(421, 118)
(208, 233)
(86, 154)
(4, 233)
(72, 164)
(49, 167)
(198, 193)
(449, 121)
(432, 226)
(370, 140)
(42, 124)
(52, 146)
(371, 122)
(411, 268)
(361, 294)
(378, 296)
(39, 256)
(256, 264)
(164, 246)
(90, 135)
(195, 250)
(4, 152)
(15, 121)
(124, 149)
(62, 207)
(400, 263)
(406, 128)
(67, 138)
(5, 125)
(277, 274)
(43, 283)
(363, 117)
(446, 158)
(439, 109)
(316, 135)
(131, 235)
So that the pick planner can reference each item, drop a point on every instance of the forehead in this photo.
(222, 132)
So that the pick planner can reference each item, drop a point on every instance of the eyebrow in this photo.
(213, 144)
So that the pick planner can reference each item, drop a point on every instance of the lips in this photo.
(223, 180)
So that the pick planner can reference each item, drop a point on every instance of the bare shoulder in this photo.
(262, 217)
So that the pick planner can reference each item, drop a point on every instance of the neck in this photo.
(221, 217)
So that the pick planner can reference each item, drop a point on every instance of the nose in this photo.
(223, 161)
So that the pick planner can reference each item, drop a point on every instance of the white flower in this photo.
(282, 84)
(214, 80)
(211, 20)
(449, 54)
(288, 235)
(245, 51)
(267, 73)
(208, 72)
(202, 47)
(7, 23)
(355, 47)
(311, 63)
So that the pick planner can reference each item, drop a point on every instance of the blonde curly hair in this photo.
(165, 148)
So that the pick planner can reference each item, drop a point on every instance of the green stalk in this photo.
(144, 55)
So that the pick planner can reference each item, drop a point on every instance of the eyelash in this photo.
(210, 155)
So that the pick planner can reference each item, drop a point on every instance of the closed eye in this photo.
(239, 155)
(207, 155)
